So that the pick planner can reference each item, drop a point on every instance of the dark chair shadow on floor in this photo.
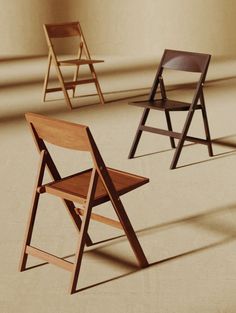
(130, 267)
(226, 230)
(12, 118)
(61, 110)
(221, 141)
(203, 221)
(112, 94)
(72, 255)
(158, 152)
(226, 141)
(193, 219)
(201, 249)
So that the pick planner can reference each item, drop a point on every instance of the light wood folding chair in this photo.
(73, 29)
(87, 189)
(180, 61)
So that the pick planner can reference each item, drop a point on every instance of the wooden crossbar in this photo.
(79, 62)
(172, 134)
(50, 258)
(101, 219)
(71, 85)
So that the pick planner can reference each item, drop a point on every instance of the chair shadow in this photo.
(106, 281)
(187, 253)
(198, 220)
(158, 152)
(191, 219)
(72, 255)
(217, 156)
(221, 141)
(130, 266)
(39, 80)
(13, 118)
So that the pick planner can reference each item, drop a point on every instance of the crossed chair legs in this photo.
(81, 224)
(181, 136)
(73, 83)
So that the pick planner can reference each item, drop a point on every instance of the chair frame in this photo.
(175, 60)
(72, 29)
(80, 216)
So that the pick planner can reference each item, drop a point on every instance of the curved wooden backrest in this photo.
(185, 61)
(62, 30)
(60, 133)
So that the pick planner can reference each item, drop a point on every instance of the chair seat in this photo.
(78, 62)
(75, 187)
(164, 105)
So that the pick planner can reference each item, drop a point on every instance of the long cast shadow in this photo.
(13, 118)
(221, 141)
(225, 141)
(189, 219)
(197, 219)
(19, 116)
(201, 249)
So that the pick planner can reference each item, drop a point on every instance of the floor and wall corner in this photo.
(184, 218)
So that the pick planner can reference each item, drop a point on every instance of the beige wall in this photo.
(137, 27)
(123, 27)
(21, 23)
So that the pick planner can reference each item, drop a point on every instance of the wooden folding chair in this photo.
(73, 29)
(181, 61)
(88, 188)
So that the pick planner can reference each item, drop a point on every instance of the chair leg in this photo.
(100, 94)
(138, 134)
(29, 232)
(169, 125)
(182, 139)
(123, 218)
(75, 79)
(45, 85)
(99, 91)
(76, 219)
(206, 125)
(129, 231)
(83, 232)
(32, 215)
(68, 204)
(61, 80)
(207, 131)
(80, 249)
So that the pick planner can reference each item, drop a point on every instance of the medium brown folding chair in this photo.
(66, 30)
(180, 61)
(87, 189)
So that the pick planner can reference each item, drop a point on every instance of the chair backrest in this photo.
(60, 133)
(62, 30)
(66, 30)
(181, 61)
(67, 135)
(185, 61)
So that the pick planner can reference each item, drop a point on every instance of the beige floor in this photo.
(185, 219)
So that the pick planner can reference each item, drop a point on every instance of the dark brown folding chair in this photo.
(180, 61)
(88, 188)
(66, 30)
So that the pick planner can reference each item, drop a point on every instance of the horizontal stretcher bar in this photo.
(102, 219)
(72, 84)
(50, 258)
(172, 134)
